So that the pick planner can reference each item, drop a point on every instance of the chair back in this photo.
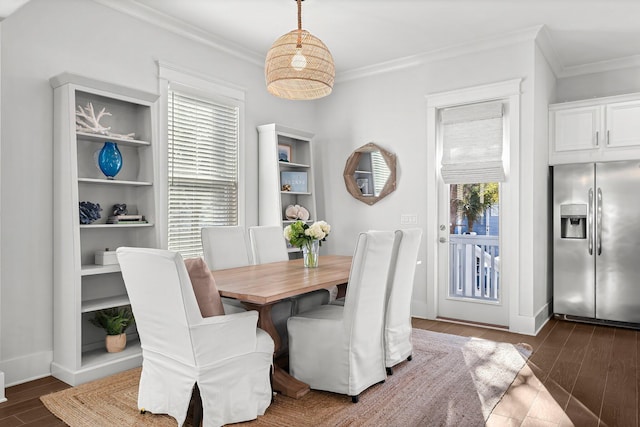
(162, 301)
(365, 300)
(268, 244)
(224, 247)
(398, 314)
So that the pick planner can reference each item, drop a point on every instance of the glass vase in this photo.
(110, 159)
(310, 253)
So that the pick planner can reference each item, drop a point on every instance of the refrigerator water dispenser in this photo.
(573, 221)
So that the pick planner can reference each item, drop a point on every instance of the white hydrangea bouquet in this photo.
(308, 238)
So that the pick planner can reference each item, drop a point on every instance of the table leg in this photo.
(282, 381)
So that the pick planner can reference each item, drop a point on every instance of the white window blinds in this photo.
(472, 138)
(203, 138)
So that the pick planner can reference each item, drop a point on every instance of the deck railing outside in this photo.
(474, 267)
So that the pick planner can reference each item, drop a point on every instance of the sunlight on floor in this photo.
(529, 402)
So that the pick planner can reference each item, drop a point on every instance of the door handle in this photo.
(442, 240)
(599, 222)
(597, 138)
(590, 221)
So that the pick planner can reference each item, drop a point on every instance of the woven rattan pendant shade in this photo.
(311, 81)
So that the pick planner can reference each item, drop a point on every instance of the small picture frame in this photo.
(297, 181)
(284, 153)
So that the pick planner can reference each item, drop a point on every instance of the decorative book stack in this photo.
(126, 219)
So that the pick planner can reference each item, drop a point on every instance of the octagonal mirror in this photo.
(370, 173)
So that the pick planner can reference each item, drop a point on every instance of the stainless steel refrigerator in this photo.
(596, 238)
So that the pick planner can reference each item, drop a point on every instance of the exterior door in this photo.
(469, 285)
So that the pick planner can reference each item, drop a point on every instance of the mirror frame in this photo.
(352, 164)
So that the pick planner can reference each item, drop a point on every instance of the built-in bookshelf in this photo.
(286, 174)
(81, 286)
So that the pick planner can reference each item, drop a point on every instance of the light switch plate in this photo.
(409, 219)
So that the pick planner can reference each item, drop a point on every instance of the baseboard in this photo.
(84, 375)
(543, 316)
(2, 395)
(27, 368)
(419, 309)
(530, 325)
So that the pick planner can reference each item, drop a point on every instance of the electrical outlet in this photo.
(409, 219)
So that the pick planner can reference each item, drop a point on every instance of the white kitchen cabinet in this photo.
(595, 130)
(80, 286)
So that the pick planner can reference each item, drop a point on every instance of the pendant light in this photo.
(299, 66)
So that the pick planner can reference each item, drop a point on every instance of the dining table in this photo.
(259, 287)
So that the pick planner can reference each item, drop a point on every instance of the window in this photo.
(203, 146)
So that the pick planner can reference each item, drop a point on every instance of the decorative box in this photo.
(106, 257)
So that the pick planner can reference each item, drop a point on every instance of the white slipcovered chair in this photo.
(340, 348)
(397, 330)
(227, 356)
(225, 247)
(269, 245)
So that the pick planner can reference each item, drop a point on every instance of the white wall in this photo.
(43, 39)
(390, 109)
(595, 85)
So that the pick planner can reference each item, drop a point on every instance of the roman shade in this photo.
(203, 169)
(472, 137)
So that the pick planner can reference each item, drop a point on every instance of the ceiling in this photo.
(583, 35)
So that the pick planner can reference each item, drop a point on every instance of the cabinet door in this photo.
(576, 129)
(623, 124)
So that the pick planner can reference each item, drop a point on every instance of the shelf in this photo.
(294, 249)
(148, 224)
(291, 221)
(97, 357)
(293, 165)
(296, 193)
(364, 172)
(114, 182)
(94, 137)
(93, 269)
(101, 303)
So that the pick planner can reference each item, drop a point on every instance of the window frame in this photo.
(173, 78)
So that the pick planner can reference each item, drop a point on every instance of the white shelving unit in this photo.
(80, 286)
(272, 200)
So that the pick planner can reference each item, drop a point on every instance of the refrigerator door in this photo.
(618, 241)
(573, 240)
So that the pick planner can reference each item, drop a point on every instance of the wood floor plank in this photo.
(591, 380)
(619, 407)
(11, 421)
(566, 369)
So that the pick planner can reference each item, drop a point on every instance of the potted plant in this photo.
(115, 322)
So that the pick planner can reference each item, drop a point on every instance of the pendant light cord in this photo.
(299, 44)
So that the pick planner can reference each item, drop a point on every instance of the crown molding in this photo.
(545, 43)
(540, 34)
(601, 67)
(453, 51)
(169, 23)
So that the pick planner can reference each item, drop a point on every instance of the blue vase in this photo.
(110, 159)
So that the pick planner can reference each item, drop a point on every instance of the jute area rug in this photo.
(451, 381)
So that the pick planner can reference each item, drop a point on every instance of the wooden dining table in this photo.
(259, 287)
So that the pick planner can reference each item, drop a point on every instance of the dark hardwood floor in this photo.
(578, 374)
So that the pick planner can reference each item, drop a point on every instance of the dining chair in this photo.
(341, 348)
(225, 247)
(269, 245)
(226, 357)
(397, 328)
